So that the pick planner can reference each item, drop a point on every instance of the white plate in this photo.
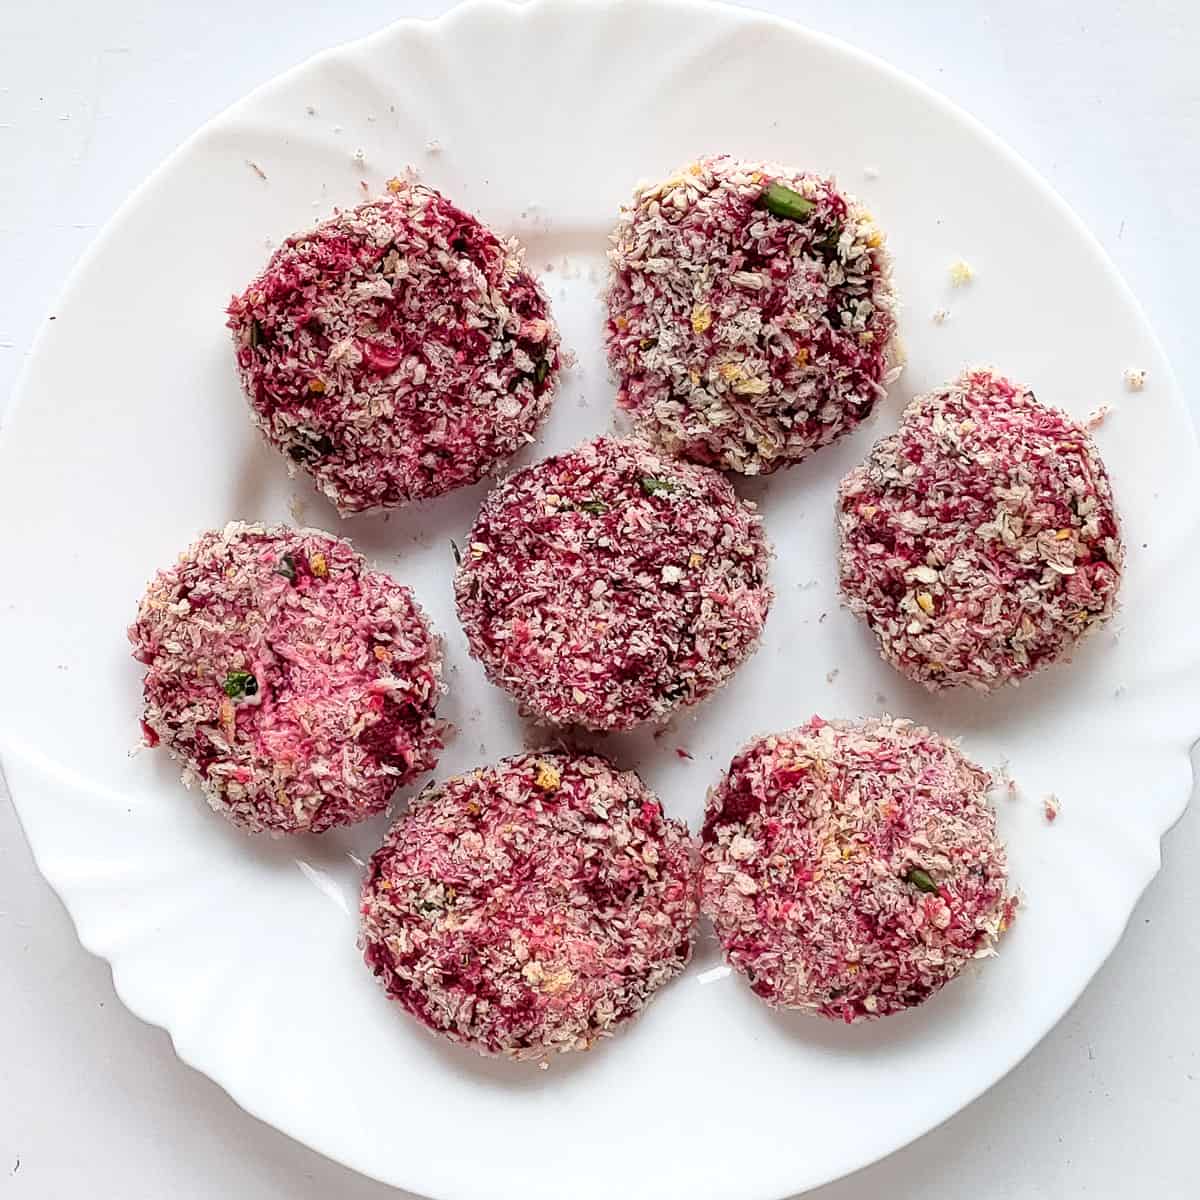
(130, 436)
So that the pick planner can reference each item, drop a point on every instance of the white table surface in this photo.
(1103, 99)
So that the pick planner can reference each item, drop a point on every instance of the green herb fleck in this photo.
(309, 446)
(653, 487)
(595, 507)
(239, 684)
(648, 343)
(828, 245)
(456, 552)
(287, 568)
(921, 880)
(541, 371)
(783, 202)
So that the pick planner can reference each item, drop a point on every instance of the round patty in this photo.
(296, 686)
(979, 542)
(530, 907)
(751, 314)
(396, 351)
(609, 586)
(852, 869)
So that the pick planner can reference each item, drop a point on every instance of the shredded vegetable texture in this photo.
(853, 869)
(296, 686)
(609, 586)
(980, 541)
(396, 351)
(742, 337)
(530, 907)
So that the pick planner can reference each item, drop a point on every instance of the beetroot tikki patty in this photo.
(980, 541)
(609, 586)
(751, 314)
(296, 686)
(396, 351)
(852, 869)
(530, 907)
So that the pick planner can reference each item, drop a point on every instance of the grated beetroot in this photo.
(609, 586)
(743, 339)
(530, 907)
(980, 541)
(297, 687)
(396, 351)
(852, 869)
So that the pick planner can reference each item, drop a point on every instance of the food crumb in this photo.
(311, 109)
(256, 168)
(433, 146)
(360, 158)
(830, 676)
(1098, 417)
(543, 1065)
(1004, 776)
(821, 618)
(1050, 807)
(940, 316)
(870, 172)
(961, 272)
(683, 753)
(1135, 379)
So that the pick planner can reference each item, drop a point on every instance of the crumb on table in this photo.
(961, 272)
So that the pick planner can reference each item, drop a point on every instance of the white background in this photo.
(1103, 99)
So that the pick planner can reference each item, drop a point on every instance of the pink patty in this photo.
(530, 907)
(295, 685)
(979, 541)
(853, 869)
(609, 586)
(742, 338)
(396, 351)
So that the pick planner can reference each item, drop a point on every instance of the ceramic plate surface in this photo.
(130, 436)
